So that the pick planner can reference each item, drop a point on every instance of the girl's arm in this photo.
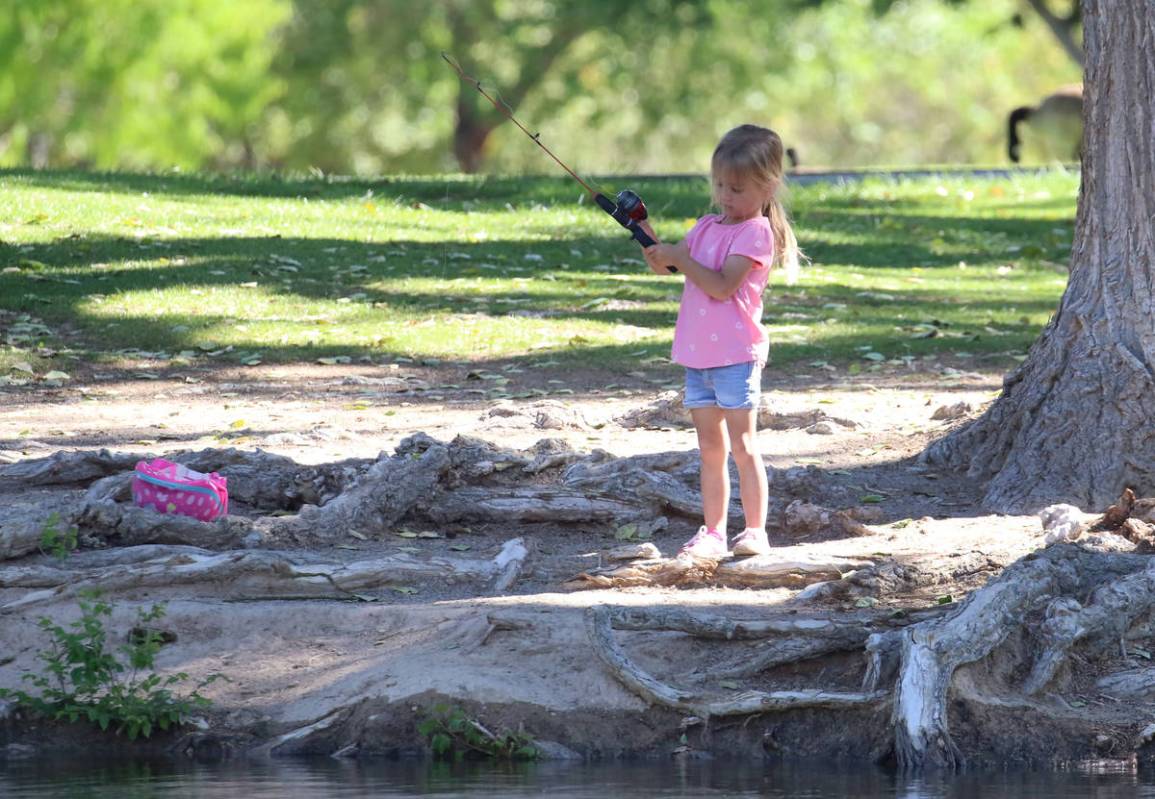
(719, 285)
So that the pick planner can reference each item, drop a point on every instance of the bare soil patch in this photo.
(353, 674)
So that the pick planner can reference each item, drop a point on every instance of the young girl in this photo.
(718, 338)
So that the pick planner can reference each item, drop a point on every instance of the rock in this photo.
(665, 411)
(1144, 510)
(633, 552)
(1145, 735)
(1061, 523)
(18, 752)
(951, 412)
(1109, 542)
(821, 429)
(805, 518)
(551, 750)
(797, 480)
(544, 415)
(1139, 532)
(867, 514)
(286, 439)
(556, 415)
(799, 420)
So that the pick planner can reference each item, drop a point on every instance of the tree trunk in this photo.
(1073, 423)
(470, 134)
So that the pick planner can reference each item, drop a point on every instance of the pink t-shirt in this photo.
(713, 332)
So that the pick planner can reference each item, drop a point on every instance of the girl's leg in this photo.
(743, 429)
(710, 424)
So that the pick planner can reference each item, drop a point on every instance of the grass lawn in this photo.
(183, 269)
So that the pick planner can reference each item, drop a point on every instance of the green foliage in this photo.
(452, 733)
(56, 541)
(86, 677)
(186, 82)
(358, 86)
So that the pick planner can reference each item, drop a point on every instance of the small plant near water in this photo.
(86, 677)
(451, 733)
(57, 540)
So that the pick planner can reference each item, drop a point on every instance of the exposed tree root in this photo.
(764, 571)
(258, 573)
(600, 622)
(996, 629)
(276, 501)
(464, 480)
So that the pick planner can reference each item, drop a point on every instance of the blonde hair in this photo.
(756, 153)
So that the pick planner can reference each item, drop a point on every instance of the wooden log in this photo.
(127, 525)
(68, 467)
(533, 504)
(763, 571)
(256, 574)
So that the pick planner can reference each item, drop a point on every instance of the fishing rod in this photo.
(627, 208)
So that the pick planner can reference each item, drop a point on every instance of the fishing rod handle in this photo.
(643, 238)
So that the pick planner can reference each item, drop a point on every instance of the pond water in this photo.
(39, 779)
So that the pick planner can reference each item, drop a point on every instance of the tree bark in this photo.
(1073, 422)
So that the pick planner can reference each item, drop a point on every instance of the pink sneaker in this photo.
(751, 542)
(705, 544)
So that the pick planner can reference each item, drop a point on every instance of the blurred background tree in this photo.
(358, 86)
(136, 83)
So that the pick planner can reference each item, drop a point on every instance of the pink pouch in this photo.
(168, 487)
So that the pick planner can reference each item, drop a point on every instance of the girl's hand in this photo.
(645, 225)
(660, 256)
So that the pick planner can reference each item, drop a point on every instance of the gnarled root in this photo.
(601, 620)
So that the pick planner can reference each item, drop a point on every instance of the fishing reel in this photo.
(628, 210)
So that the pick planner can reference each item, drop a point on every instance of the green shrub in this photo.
(451, 733)
(57, 541)
(86, 677)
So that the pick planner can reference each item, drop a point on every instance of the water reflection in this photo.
(159, 779)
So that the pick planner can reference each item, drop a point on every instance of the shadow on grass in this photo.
(682, 197)
(71, 287)
(302, 279)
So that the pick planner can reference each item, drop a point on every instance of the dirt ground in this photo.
(347, 674)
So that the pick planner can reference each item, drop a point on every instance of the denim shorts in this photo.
(734, 387)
